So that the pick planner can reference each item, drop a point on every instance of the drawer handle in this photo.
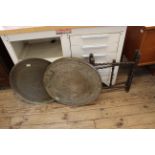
(94, 46)
(94, 36)
(95, 55)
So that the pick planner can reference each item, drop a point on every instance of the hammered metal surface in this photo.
(72, 81)
(26, 79)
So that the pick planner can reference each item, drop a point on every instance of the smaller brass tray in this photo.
(72, 81)
(26, 79)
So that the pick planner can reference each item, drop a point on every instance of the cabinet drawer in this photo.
(101, 58)
(78, 51)
(95, 39)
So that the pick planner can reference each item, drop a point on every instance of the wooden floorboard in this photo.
(113, 109)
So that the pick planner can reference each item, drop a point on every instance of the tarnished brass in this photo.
(26, 79)
(72, 81)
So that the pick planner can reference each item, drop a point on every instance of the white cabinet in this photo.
(104, 42)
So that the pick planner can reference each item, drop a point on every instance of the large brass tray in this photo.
(72, 81)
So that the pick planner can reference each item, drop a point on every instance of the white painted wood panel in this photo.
(78, 51)
(30, 36)
(95, 39)
(99, 30)
(65, 44)
(10, 49)
(119, 54)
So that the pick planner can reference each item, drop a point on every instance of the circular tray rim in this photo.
(81, 61)
(17, 94)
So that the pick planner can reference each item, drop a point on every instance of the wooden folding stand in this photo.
(132, 68)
